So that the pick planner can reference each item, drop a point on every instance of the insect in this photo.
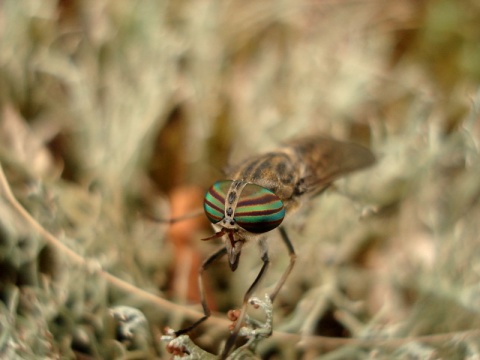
(260, 192)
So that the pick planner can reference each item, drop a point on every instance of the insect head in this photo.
(237, 207)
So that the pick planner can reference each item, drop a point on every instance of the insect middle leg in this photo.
(206, 310)
(293, 257)
(239, 319)
(264, 250)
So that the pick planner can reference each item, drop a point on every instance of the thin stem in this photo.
(79, 260)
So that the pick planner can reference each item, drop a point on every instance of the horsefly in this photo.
(257, 195)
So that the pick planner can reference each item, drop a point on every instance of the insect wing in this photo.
(259, 210)
(214, 202)
(327, 159)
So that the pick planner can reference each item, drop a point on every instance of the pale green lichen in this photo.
(254, 331)
(107, 105)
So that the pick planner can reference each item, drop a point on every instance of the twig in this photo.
(6, 191)
(330, 343)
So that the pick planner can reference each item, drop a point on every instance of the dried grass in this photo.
(112, 109)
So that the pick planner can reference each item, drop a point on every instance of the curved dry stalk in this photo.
(6, 191)
(331, 343)
(305, 342)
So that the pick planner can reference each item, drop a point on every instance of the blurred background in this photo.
(113, 112)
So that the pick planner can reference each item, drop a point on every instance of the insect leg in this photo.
(206, 310)
(293, 257)
(233, 337)
(173, 220)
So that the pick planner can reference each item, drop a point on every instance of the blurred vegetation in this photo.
(113, 109)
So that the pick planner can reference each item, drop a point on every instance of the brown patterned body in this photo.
(302, 167)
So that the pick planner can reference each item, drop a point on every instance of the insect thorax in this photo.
(280, 172)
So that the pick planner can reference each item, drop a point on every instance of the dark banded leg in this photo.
(206, 310)
(190, 215)
(233, 336)
(293, 257)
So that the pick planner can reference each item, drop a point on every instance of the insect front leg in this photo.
(173, 220)
(293, 257)
(239, 319)
(206, 310)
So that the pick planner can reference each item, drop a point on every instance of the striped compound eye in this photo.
(214, 202)
(258, 209)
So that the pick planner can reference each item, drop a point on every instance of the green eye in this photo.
(214, 202)
(259, 210)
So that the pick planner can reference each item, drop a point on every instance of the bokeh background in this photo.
(114, 112)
